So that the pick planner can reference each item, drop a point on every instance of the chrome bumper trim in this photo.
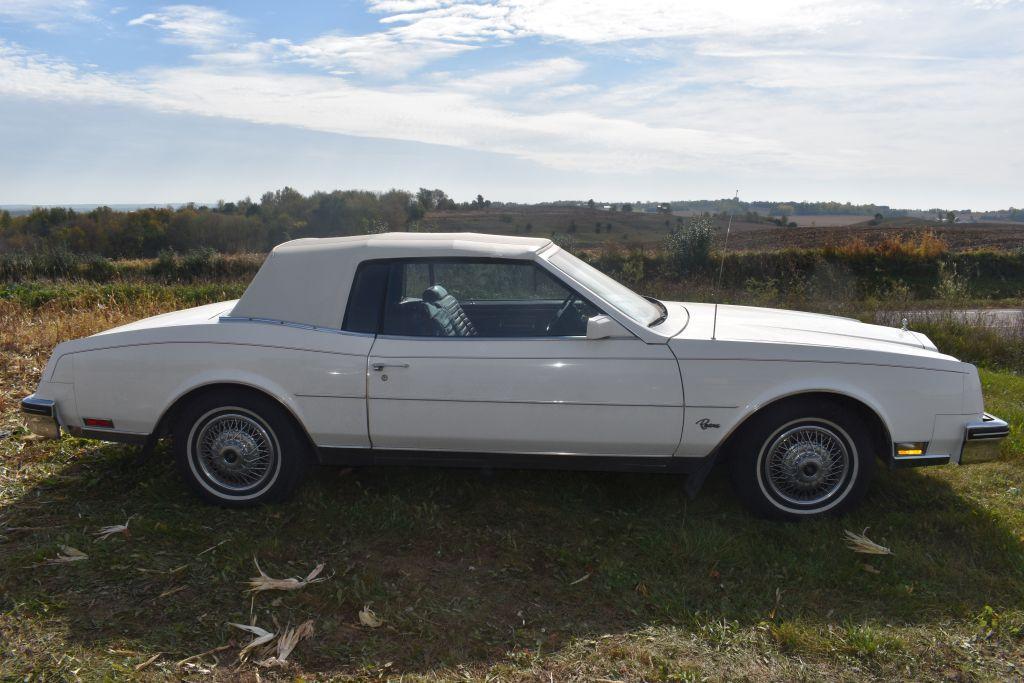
(41, 416)
(982, 438)
(919, 460)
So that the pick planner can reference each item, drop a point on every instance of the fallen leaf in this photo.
(143, 665)
(287, 642)
(368, 618)
(860, 543)
(868, 568)
(108, 531)
(262, 637)
(267, 583)
(68, 554)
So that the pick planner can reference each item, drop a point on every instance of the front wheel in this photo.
(802, 460)
(237, 448)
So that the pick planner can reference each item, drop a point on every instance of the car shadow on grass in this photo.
(465, 567)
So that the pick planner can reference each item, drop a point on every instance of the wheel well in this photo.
(879, 433)
(170, 416)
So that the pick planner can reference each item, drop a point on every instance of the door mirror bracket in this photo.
(604, 327)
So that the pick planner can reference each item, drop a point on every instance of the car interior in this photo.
(437, 312)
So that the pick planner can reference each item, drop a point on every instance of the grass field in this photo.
(504, 575)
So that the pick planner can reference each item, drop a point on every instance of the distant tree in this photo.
(425, 198)
(480, 202)
(951, 217)
(590, 204)
(572, 226)
(5, 219)
(627, 207)
(529, 227)
(433, 199)
(879, 217)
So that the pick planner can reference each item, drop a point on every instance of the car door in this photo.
(515, 380)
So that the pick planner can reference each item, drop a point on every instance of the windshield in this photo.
(622, 297)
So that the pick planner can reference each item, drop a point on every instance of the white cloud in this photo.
(193, 25)
(46, 15)
(543, 73)
(822, 88)
(600, 21)
(383, 54)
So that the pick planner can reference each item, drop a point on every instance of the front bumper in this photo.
(982, 438)
(41, 416)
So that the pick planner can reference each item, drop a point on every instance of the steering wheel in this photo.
(563, 309)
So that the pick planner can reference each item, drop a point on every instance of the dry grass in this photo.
(921, 244)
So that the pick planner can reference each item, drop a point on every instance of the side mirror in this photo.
(603, 327)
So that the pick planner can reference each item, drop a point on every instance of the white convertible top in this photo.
(307, 281)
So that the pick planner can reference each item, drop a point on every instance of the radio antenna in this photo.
(725, 247)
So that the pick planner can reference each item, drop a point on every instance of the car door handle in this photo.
(380, 366)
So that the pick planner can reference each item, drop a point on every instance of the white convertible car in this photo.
(483, 350)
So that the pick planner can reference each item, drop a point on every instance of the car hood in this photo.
(750, 324)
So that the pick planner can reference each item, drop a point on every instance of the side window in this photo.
(481, 298)
(366, 298)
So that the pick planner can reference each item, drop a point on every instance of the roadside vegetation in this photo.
(447, 574)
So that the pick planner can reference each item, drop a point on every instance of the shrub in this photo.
(689, 248)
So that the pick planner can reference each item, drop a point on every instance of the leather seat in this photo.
(446, 314)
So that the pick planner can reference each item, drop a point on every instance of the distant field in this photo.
(589, 227)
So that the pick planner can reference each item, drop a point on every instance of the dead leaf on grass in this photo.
(108, 531)
(287, 642)
(859, 543)
(368, 618)
(268, 583)
(68, 554)
(262, 637)
(143, 665)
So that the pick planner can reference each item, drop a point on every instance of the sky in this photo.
(916, 104)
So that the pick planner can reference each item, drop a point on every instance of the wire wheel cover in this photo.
(806, 465)
(235, 451)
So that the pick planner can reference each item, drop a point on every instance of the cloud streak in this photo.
(191, 25)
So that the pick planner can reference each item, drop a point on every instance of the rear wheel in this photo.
(803, 459)
(238, 448)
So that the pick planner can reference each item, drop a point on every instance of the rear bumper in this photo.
(41, 416)
(982, 438)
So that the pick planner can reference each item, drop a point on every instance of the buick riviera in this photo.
(490, 351)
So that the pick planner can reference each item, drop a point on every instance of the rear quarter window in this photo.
(366, 298)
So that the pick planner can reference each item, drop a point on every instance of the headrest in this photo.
(434, 294)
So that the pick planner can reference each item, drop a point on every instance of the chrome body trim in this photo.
(902, 461)
(287, 323)
(982, 439)
(987, 428)
(41, 416)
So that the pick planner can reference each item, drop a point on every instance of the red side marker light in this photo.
(97, 422)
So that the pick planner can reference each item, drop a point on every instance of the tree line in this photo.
(228, 227)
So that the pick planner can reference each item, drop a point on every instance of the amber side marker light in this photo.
(905, 449)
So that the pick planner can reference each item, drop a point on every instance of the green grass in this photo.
(516, 574)
(510, 575)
